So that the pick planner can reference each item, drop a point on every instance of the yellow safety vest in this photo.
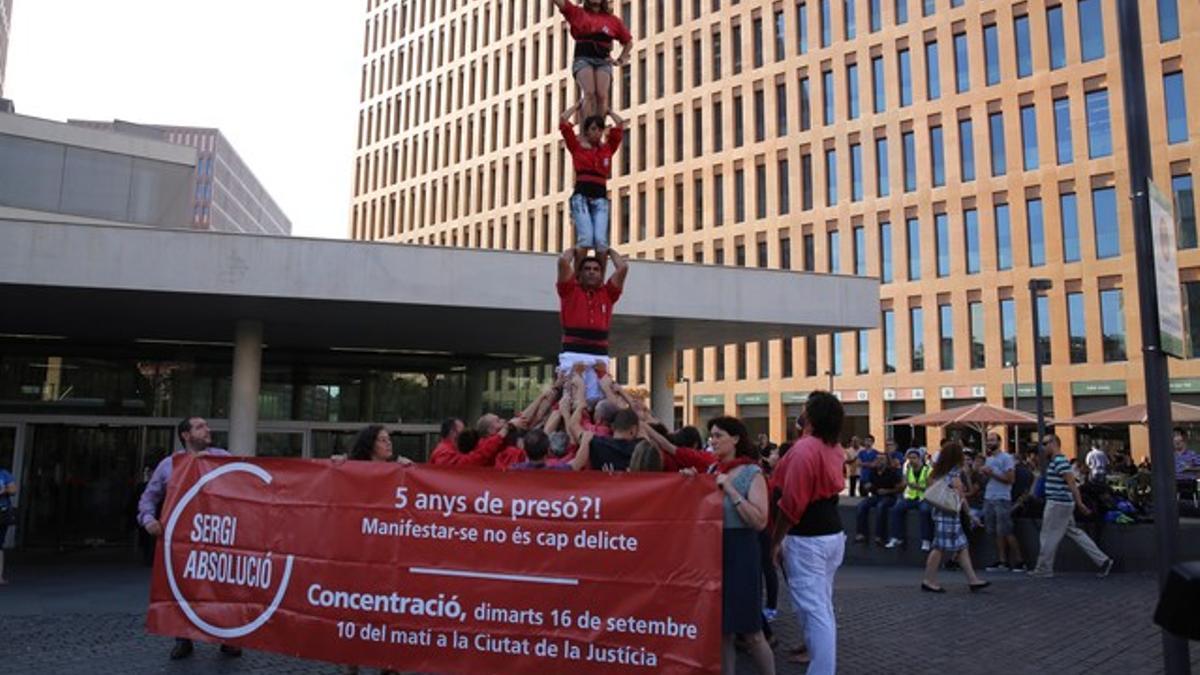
(916, 483)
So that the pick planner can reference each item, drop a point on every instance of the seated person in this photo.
(886, 485)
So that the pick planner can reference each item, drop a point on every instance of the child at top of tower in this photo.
(592, 157)
(595, 27)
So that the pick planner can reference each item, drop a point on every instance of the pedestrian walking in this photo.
(1058, 518)
(949, 538)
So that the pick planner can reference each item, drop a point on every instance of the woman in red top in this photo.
(594, 28)
(592, 157)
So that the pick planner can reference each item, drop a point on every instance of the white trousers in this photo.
(591, 383)
(811, 563)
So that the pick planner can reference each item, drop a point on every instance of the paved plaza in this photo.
(87, 617)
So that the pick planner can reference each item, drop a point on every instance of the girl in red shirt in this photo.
(594, 28)
(592, 158)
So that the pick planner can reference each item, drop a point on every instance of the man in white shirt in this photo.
(1097, 463)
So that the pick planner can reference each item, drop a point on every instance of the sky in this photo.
(278, 77)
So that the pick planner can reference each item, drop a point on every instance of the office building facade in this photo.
(228, 197)
(953, 149)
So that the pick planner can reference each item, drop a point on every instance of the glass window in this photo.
(908, 149)
(860, 250)
(1176, 106)
(718, 127)
(914, 249)
(810, 357)
(916, 319)
(827, 94)
(850, 19)
(739, 119)
(756, 27)
(876, 11)
(1076, 328)
(810, 253)
(901, 12)
(95, 183)
(785, 255)
(760, 116)
(937, 156)
(1112, 324)
(805, 105)
(1191, 301)
(833, 251)
(760, 191)
(889, 341)
(716, 56)
(718, 199)
(882, 189)
(991, 53)
(905, 67)
(1008, 331)
(928, 7)
(835, 353)
(971, 235)
(806, 182)
(830, 177)
(885, 252)
(946, 337)
(1056, 36)
(1024, 49)
(826, 24)
(1168, 20)
(1069, 214)
(996, 137)
(1043, 310)
(941, 223)
(962, 64)
(739, 195)
(1003, 238)
(852, 90)
(1185, 212)
(802, 27)
(1063, 149)
(878, 84)
(856, 179)
(1098, 124)
(781, 177)
(780, 35)
(863, 352)
(1035, 226)
(781, 120)
(1091, 29)
(764, 360)
(1029, 141)
(1104, 216)
(966, 149)
(735, 46)
(978, 350)
(933, 78)
(740, 360)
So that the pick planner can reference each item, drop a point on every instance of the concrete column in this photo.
(476, 379)
(662, 375)
(247, 377)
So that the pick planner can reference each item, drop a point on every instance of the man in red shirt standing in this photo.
(585, 310)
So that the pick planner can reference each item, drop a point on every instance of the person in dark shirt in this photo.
(886, 484)
(613, 454)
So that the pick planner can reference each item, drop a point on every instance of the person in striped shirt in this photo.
(1058, 518)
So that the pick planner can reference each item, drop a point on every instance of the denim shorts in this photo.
(596, 62)
(590, 217)
(997, 516)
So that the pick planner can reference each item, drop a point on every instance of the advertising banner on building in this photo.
(443, 570)
(1171, 335)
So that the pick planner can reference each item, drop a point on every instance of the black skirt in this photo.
(741, 591)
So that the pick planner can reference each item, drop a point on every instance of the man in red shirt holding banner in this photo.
(586, 306)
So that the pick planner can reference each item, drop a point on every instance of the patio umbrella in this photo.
(979, 416)
(1181, 413)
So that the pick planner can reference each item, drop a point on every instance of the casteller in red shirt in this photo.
(811, 472)
(586, 305)
(593, 164)
(594, 32)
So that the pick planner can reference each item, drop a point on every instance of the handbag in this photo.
(942, 496)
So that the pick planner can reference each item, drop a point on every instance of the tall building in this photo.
(955, 150)
(5, 28)
(228, 197)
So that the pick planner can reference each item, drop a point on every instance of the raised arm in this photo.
(560, 4)
(566, 265)
(583, 455)
(567, 114)
(620, 271)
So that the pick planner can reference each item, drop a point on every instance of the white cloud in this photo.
(278, 77)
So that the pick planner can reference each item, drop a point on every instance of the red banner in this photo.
(443, 570)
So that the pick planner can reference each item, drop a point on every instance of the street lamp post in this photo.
(1036, 286)
(1016, 399)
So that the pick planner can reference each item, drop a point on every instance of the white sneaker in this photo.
(893, 543)
(926, 545)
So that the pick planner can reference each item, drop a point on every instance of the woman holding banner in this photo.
(740, 478)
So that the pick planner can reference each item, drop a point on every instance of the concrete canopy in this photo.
(108, 283)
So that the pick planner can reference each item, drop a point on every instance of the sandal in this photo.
(979, 586)
(932, 589)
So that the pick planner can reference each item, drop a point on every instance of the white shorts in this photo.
(567, 362)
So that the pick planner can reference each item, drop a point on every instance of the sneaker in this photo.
(1037, 574)
(926, 545)
(893, 543)
(1020, 568)
(999, 566)
(770, 614)
(1106, 568)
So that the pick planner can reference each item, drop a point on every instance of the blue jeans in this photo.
(884, 502)
(591, 221)
(925, 516)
